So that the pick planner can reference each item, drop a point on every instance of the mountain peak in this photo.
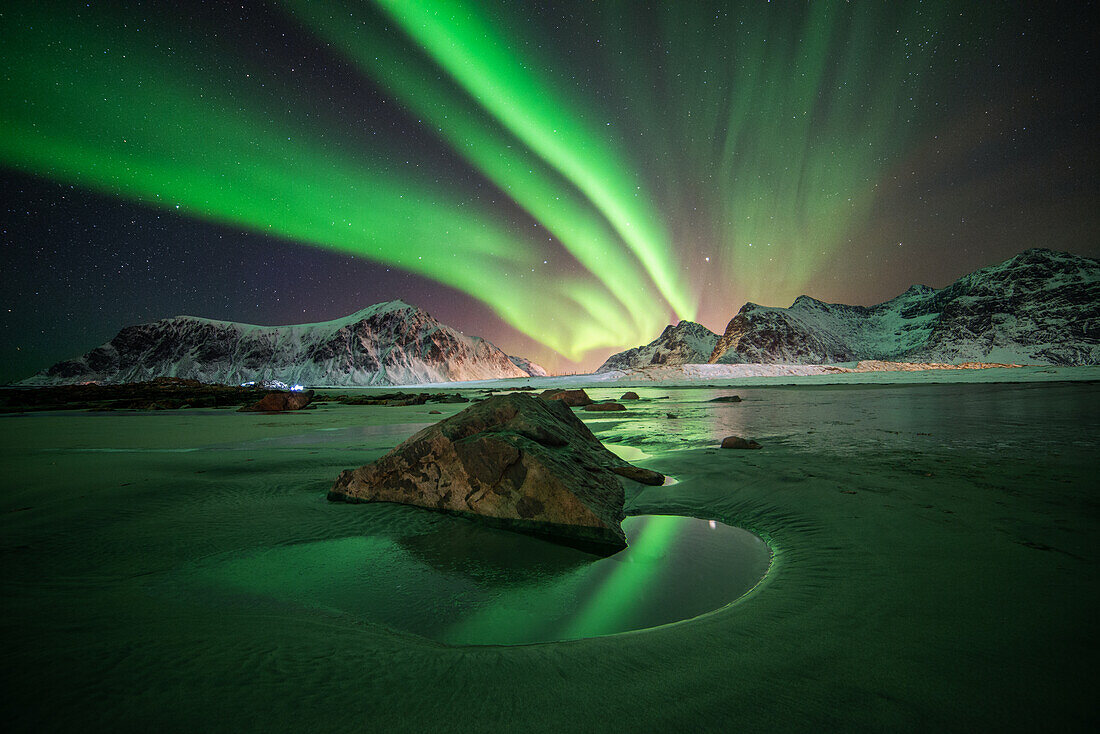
(1042, 255)
(386, 343)
(805, 301)
(383, 307)
(686, 342)
(1039, 252)
(683, 326)
(375, 309)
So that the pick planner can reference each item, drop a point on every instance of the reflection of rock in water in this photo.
(516, 462)
(490, 557)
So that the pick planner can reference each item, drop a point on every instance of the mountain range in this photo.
(1039, 307)
(389, 343)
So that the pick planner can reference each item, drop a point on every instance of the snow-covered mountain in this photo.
(532, 369)
(1038, 307)
(389, 343)
(685, 343)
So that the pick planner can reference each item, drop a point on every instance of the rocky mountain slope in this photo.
(684, 343)
(389, 343)
(532, 369)
(1039, 307)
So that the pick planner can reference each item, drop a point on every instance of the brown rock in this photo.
(434, 412)
(604, 407)
(638, 474)
(514, 461)
(736, 442)
(726, 399)
(629, 396)
(278, 401)
(572, 398)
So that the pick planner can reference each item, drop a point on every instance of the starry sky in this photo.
(562, 178)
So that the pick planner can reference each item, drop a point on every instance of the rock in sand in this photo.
(572, 398)
(736, 442)
(514, 461)
(279, 401)
(629, 396)
(603, 407)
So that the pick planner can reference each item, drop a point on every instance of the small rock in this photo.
(736, 442)
(629, 396)
(405, 403)
(572, 398)
(434, 412)
(726, 399)
(604, 407)
(279, 401)
(671, 415)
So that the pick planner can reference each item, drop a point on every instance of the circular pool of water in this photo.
(456, 581)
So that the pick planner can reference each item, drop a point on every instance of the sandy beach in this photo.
(933, 551)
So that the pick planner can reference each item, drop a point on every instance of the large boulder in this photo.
(514, 461)
(572, 398)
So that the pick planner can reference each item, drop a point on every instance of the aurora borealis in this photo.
(564, 179)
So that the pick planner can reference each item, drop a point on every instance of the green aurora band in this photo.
(771, 124)
(756, 135)
(179, 144)
(480, 58)
(525, 178)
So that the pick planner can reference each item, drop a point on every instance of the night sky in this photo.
(562, 178)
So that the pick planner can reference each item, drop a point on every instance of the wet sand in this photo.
(934, 567)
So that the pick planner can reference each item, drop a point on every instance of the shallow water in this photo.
(455, 581)
(384, 435)
(990, 418)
